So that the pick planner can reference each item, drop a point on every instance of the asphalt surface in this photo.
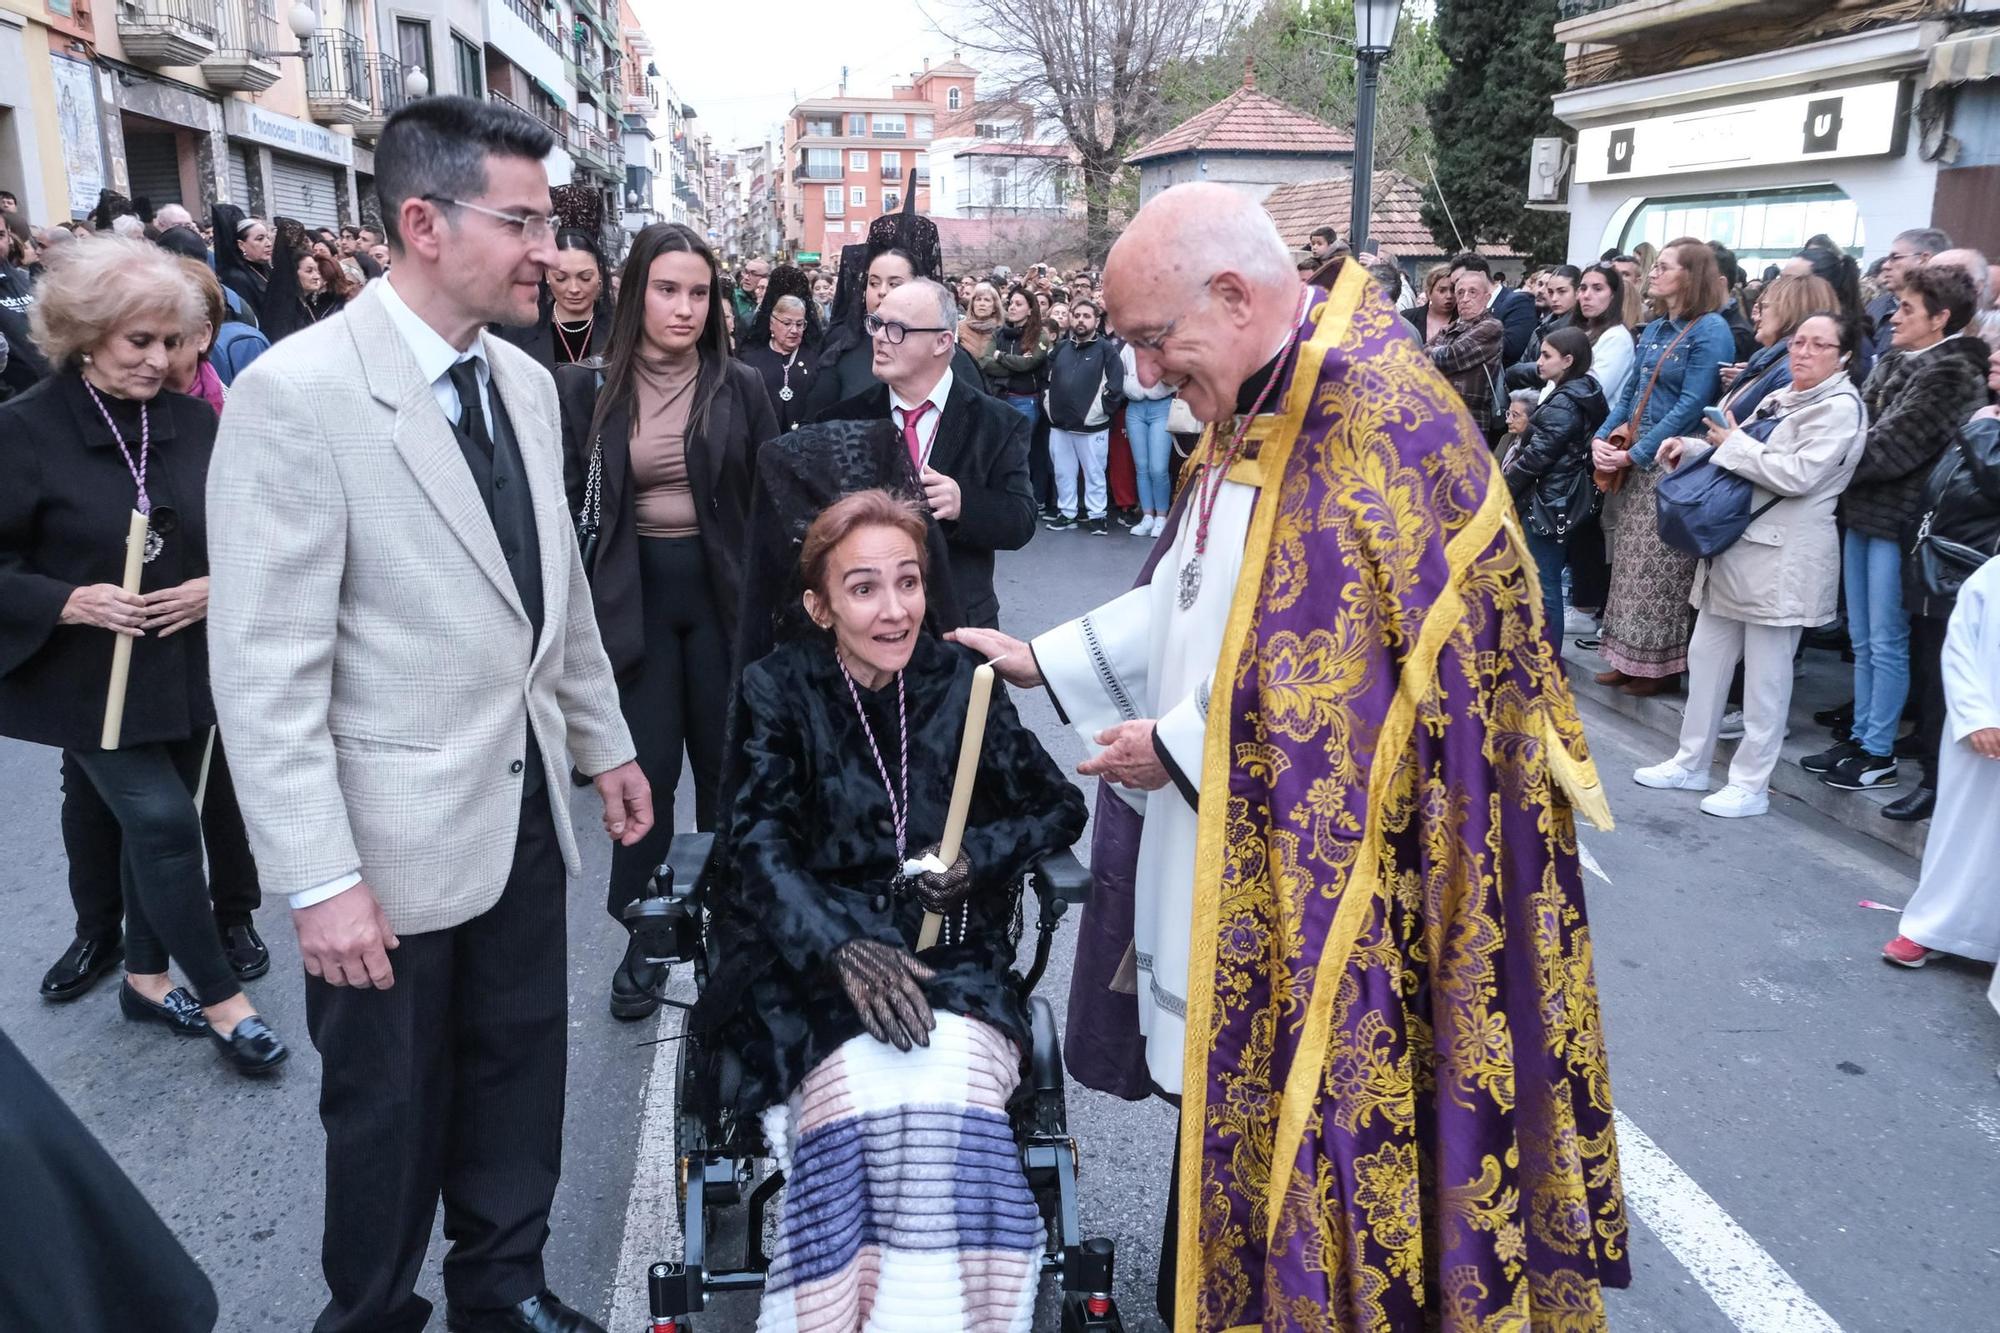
(1843, 1112)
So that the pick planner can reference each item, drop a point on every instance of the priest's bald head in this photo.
(1204, 291)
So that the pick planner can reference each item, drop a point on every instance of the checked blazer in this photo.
(373, 668)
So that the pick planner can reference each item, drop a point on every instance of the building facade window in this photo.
(820, 129)
(858, 196)
(891, 201)
(836, 203)
(922, 128)
(471, 67)
(413, 46)
(857, 124)
(889, 126)
(951, 99)
(823, 164)
(920, 170)
(857, 160)
(892, 166)
(1761, 226)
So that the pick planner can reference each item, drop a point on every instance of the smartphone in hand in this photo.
(1714, 416)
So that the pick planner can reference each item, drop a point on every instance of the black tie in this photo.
(471, 418)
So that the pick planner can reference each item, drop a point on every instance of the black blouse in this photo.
(64, 512)
(811, 855)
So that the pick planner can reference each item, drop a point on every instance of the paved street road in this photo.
(1825, 1128)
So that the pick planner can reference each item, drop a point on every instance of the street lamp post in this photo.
(1374, 33)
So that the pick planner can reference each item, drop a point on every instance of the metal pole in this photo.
(1370, 68)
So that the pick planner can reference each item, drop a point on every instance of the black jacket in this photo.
(1086, 381)
(1009, 370)
(1550, 475)
(64, 512)
(539, 339)
(1917, 401)
(249, 281)
(982, 444)
(1524, 372)
(1515, 310)
(810, 856)
(1957, 524)
(722, 459)
(799, 378)
(1741, 329)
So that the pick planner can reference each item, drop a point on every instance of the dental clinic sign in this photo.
(1864, 121)
(286, 134)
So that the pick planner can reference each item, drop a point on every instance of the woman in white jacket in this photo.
(1780, 577)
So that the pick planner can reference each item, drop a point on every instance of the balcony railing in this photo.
(920, 176)
(1617, 22)
(337, 78)
(244, 59)
(807, 171)
(531, 16)
(386, 77)
(552, 118)
(891, 173)
(168, 32)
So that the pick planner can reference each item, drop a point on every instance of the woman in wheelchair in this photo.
(883, 1077)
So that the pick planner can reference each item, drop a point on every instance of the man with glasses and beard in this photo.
(970, 449)
(406, 663)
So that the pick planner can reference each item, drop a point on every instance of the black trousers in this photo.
(1927, 689)
(1589, 571)
(448, 1084)
(676, 702)
(149, 790)
(92, 842)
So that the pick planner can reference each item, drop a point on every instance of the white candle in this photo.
(121, 646)
(961, 788)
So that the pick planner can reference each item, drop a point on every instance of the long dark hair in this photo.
(1614, 314)
(575, 238)
(1838, 267)
(1573, 343)
(628, 323)
(286, 310)
(1031, 328)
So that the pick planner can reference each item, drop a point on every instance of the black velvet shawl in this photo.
(812, 855)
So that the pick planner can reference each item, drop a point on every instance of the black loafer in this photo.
(179, 1013)
(251, 1047)
(244, 948)
(82, 965)
(635, 986)
(1909, 809)
(540, 1313)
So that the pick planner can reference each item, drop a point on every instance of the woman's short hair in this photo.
(100, 283)
(215, 311)
(1525, 398)
(1944, 291)
(786, 304)
(1791, 301)
(847, 515)
(1574, 343)
(1847, 329)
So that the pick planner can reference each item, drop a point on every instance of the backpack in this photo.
(236, 346)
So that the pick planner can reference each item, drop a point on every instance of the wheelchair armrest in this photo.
(1045, 1046)
(1063, 878)
(687, 853)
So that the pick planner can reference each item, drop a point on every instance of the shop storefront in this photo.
(1760, 154)
(281, 166)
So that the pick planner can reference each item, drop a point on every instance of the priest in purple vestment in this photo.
(1339, 912)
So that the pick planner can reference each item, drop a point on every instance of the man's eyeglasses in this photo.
(534, 227)
(893, 331)
(1157, 342)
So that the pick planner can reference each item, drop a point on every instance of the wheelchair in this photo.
(718, 1160)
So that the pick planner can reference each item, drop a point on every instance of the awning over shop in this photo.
(1967, 58)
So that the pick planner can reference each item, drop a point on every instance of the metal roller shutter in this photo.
(304, 190)
(153, 164)
(239, 178)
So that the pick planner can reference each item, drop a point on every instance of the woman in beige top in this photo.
(660, 460)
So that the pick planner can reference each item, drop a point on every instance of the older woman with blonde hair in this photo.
(81, 452)
(982, 320)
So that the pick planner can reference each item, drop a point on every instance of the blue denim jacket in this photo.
(1690, 380)
(1769, 370)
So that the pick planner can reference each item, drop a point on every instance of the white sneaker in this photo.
(1670, 776)
(1144, 527)
(1732, 726)
(1734, 802)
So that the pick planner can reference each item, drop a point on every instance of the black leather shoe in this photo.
(1841, 715)
(635, 986)
(180, 1013)
(251, 1047)
(541, 1313)
(80, 967)
(244, 948)
(1909, 809)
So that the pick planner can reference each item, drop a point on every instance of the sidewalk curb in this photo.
(1859, 812)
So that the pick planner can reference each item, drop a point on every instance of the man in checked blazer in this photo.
(406, 662)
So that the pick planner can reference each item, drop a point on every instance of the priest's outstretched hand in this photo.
(1012, 660)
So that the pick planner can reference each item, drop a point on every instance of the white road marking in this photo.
(1745, 1283)
(652, 1215)
(1584, 854)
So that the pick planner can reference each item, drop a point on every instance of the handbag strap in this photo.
(1639, 408)
(593, 490)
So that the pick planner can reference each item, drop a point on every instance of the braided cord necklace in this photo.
(899, 796)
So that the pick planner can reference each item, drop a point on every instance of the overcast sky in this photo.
(742, 64)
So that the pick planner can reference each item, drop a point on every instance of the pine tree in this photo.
(1506, 67)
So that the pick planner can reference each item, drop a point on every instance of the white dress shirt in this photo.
(900, 408)
(435, 358)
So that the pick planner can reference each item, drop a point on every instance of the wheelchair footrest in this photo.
(1087, 1305)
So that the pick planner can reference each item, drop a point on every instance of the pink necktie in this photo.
(911, 416)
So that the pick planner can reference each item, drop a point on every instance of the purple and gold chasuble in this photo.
(1405, 1120)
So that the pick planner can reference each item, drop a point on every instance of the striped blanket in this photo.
(906, 1209)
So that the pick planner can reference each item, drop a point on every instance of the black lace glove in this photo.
(881, 982)
(942, 891)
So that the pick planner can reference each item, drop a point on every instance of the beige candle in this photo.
(121, 647)
(961, 788)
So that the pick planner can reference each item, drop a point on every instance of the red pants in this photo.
(1119, 472)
